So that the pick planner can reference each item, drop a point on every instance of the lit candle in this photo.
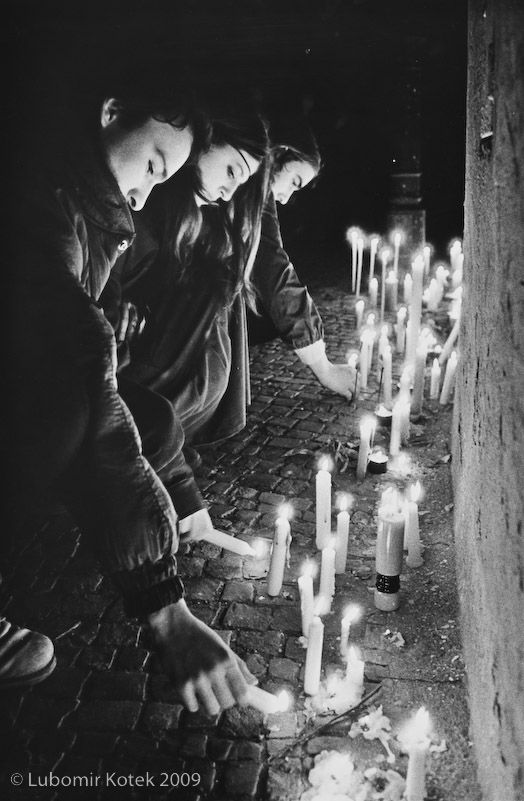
(367, 429)
(456, 304)
(366, 339)
(456, 278)
(417, 398)
(378, 462)
(327, 575)
(387, 377)
(360, 256)
(305, 588)
(385, 255)
(434, 387)
(391, 292)
(373, 291)
(359, 311)
(389, 551)
(341, 548)
(432, 295)
(230, 543)
(396, 426)
(449, 344)
(441, 274)
(266, 702)
(355, 671)
(351, 615)
(370, 325)
(323, 504)
(415, 739)
(373, 246)
(449, 379)
(412, 532)
(397, 239)
(426, 255)
(352, 236)
(314, 656)
(415, 307)
(279, 552)
(455, 252)
(408, 287)
(400, 329)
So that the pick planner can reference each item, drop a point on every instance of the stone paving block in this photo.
(270, 643)
(242, 778)
(206, 771)
(39, 713)
(283, 668)
(227, 567)
(109, 715)
(63, 683)
(99, 743)
(160, 688)
(219, 748)
(193, 744)
(131, 658)
(243, 616)
(282, 785)
(199, 721)
(242, 591)
(116, 685)
(159, 717)
(241, 722)
(285, 724)
(257, 665)
(190, 566)
(287, 619)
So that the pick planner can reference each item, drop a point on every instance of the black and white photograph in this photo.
(262, 352)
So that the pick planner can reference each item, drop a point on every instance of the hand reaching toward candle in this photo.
(196, 526)
(206, 673)
(339, 378)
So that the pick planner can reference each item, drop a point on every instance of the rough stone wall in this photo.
(488, 456)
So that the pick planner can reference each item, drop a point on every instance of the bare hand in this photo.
(203, 669)
(195, 527)
(339, 378)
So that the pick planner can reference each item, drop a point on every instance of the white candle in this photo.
(450, 342)
(449, 379)
(400, 409)
(389, 551)
(230, 543)
(434, 387)
(279, 552)
(441, 274)
(417, 398)
(323, 504)
(385, 255)
(432, 295)
(373, 291)
(408, 287)
(359, 311)
(370, 326)
(426, 254)
(415, 739)
(415, 307)
(266, 702)
(351, 615)
(391, 292)
(341, 548)
(387, 377)
(455, 252)
(327, 575)
(373, 246)
(397, 239)
(352, 236)
(355, 670)
(367, 429)
(360, 256)
(400, 329)
(305, 588)
(314, 656)
(412, 531)
(456, 278)
(366, 339)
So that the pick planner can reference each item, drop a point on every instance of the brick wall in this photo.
(489, 409)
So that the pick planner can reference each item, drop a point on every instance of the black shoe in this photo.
(26, 657)
(192, 457)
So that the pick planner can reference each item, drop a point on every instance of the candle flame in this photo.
(391, 276)
(345, 501)
(352, 233)
(385, 255)
(398, 237)
(455, 246)
(284, 701)
(374, 239)
(401, 314)
(359, 306)
(325, 463)
(285, 510)
(415, 492)
(309, 568)
(352, 359)
(427, 251)
(417, 731)
(352, 613)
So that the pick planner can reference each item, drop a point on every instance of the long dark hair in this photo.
(226, 233)
(294, 140)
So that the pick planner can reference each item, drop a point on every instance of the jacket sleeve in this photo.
(280, 293)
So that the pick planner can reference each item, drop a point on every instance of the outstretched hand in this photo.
(339, 378)
(195, 527)
(206, 673)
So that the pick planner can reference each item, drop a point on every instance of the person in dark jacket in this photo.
(70, 431)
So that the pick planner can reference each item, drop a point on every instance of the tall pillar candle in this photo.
(387, 377)
(391, 292)
(434, 387)
(360, 257)
(412, 530)
(373, 292)
(388, 560)
(400, 329)
(456, 278)
(279, 554)
(426, 255)
(449, 379)
(373, 246)
(359, 311)
(385, 255)
(417, 397)
(305, 588)
(415, 307)
(323, 505)
(450, 342)
(314, 656)
(327, 575)
(408, 286)
(341, 548)
(397, 239)
(367, 428)
(352, 235)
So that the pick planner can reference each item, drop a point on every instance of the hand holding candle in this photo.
(230, 543)
(266, 702)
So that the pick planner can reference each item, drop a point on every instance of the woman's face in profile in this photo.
(221, 170)
(292, 176)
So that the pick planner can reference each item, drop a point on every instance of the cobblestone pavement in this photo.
(107, 708)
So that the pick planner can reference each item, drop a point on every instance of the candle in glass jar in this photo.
(341, 548)
(449, 379)
(323, 504)
(279, 552)
(314, 656)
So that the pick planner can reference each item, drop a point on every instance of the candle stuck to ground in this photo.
(373, 246)
(359, 311)
(449, 379)
(412, 532)
(426, 255)
(415, 307)
(373, 291)
(280, 551)
(389, 551)
(355, 671)
(352, 237)
(314, 656)
(416, 738)
(366, 344)
(408, 286)
(391, 292)
(367, 430)
(385, 255)
(327, 576)
(230, 543)
(400, 329)
(266, 702)
(387, 376)
(417, 398)
(352, 613)
(323, 503)
(341, 547)
(434, 387)
(305, 588)
(378, 462)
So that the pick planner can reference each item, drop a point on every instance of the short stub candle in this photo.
(415, 739)
(323, 503)
(341, 546)
(313, 666)
(351, 614)
(389, 552)
(266, 702)
(305, 588)
(280, 551)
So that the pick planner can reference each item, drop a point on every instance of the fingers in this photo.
(206, 695)
(237, 683)
(188, 696)
(248, 676)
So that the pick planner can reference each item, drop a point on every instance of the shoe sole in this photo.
(30, 679)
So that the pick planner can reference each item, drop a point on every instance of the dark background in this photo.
(343, 61)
